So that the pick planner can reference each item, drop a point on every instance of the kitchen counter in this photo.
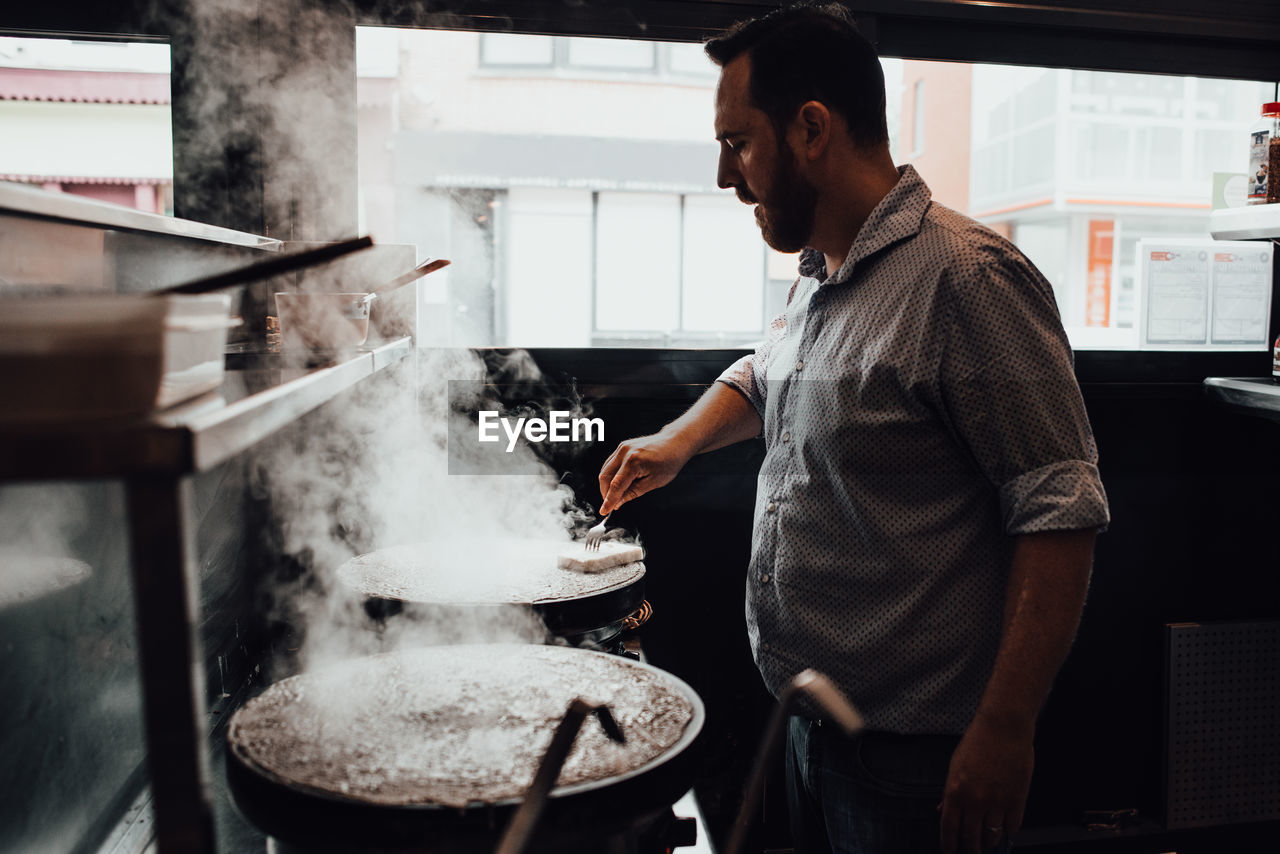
(254, 401)
(1249, 395)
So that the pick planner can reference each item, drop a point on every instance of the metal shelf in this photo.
(1251, 395)
(1252, 222)
(156, 457)
(64, 207)
(252, 404)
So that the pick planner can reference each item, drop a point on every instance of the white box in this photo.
(108, 355)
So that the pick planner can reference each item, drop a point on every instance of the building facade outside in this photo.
(1077, 166)
(572, 180)
(88, 118)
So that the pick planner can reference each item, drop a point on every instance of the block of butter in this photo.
(610, 554)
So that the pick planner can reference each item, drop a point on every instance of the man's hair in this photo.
(809, 52)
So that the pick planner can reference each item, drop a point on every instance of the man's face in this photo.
(759, 164)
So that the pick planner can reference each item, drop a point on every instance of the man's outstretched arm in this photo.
(721, 417)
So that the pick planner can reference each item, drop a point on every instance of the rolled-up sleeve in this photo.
(1011, 395)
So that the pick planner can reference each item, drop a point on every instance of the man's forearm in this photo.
(721, 417)
(1048, 582)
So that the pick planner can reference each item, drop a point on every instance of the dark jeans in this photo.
(875, 793)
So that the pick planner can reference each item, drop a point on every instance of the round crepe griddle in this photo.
(499, 572)
(436, 745)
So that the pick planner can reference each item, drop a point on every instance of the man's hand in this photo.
(986, 788)
(638, 466)
(720, 417)
(991, 768)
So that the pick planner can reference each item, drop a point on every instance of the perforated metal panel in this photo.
(1222, 706)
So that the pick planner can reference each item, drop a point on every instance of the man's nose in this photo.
(726, 175)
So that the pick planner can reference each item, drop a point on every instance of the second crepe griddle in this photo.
(444, 576)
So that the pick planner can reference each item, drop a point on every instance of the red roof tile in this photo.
(95, 87)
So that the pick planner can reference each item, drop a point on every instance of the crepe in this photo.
(457, 725)
(609, 554)
(511, 571)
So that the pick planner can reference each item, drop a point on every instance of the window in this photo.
(88, 118)
(611, 53)
(689, 59)
(1078, 167)
(917, 121)
(577, 56)
(516, 49)
(592, 164)
(637, 262)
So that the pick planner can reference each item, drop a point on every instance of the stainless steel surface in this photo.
(1251, 222)
(64, 207)
(192, 437)
(1252, 395)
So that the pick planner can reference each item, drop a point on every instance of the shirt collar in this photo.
(897, 217)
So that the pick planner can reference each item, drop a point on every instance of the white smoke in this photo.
(371, 471)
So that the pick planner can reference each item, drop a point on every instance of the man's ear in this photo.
(813, 123)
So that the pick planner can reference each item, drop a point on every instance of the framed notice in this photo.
(1204, 294)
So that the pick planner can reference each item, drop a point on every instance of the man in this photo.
(928, 502)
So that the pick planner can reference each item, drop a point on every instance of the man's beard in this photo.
(786, 219)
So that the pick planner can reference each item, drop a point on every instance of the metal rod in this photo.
(428, 266)
(165, 591)
(525, 819)
(269, 267)
(816, 687)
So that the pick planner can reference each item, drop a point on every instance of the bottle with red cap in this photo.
(1264, 157)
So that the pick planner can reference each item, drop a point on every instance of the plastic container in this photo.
(323, 321)
(108, 355)
(1264, 157)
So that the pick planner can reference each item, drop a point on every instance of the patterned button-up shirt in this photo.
(920, 409)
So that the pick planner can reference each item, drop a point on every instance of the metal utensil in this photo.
(595, 534)
(428, 266)
(525, 819)
(269, 267)
(600, 532)
(818, 688)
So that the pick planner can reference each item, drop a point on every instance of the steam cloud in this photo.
(371, 471)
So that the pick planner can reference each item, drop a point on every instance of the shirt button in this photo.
(786, 437)
(800, 365)
(764, 579)
(765, 647)
(771, 507)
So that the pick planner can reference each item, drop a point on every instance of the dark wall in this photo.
(1191, 488)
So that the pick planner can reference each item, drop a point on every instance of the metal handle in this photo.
(428, 266)
(818, 688)
(269, 267)
(525, 819)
